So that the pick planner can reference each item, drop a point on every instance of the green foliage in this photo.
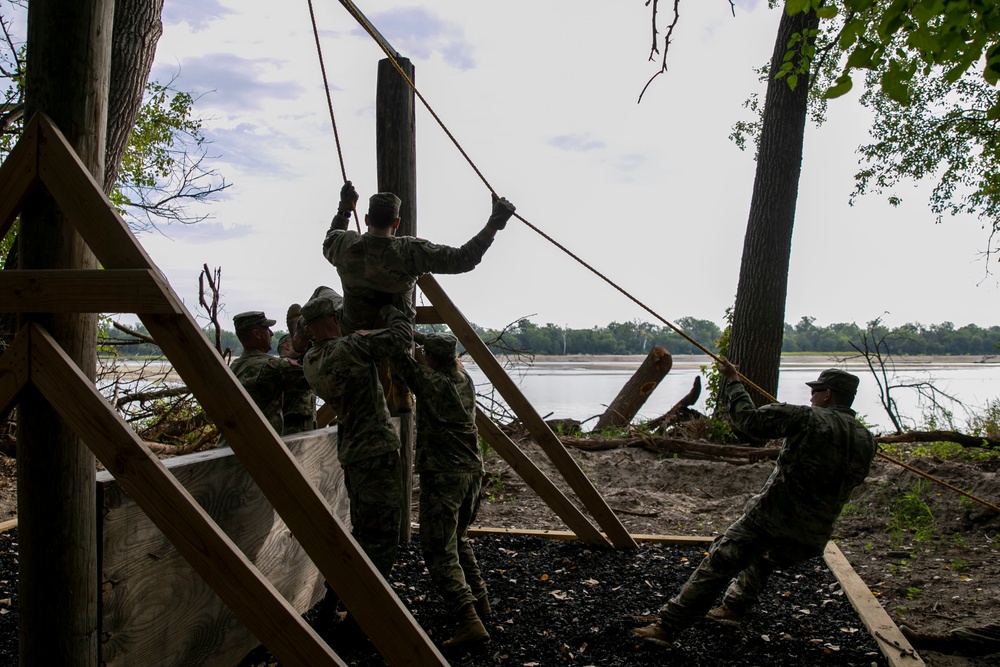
(713, 377)
(912, 592)
(958, 565)
(911, 516)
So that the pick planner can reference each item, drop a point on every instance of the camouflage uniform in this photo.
(342, 372)
(451, 475)
(826, 454)
(298, 405)
(266, 378)
(380, 270)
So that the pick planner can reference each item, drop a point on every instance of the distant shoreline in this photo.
(797, 359)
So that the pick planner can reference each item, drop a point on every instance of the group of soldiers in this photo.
(333, 351)
(336, 343)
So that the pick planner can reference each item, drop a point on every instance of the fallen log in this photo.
(638, 388)
(678, 446)
(680, 412)
(940, 436)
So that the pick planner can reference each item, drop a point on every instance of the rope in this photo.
(360, 18)
(329, 104)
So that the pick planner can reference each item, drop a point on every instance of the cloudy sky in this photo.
(542, 96)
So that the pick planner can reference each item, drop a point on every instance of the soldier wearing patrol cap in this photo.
(341, 371)
(451, 473)
(826, 453)
(266, 378)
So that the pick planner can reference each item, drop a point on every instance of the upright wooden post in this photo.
(396, 149)
(69, 47)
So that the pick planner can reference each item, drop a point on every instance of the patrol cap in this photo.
(317, 308)
(251, 319)
(839, 381)
(384, 202)
(440, 344)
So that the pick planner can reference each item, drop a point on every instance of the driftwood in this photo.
(683, 448)
(638, 388)
(681, 411)
(940, 436)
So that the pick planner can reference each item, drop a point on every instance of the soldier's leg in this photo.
(728, 555)
(745, 590)
(441, 496)
(373, 488)
(466, 558)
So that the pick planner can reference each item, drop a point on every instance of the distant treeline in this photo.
(639, 337)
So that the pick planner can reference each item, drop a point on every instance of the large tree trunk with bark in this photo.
(759, 312)
(69, 54)
(136, 31)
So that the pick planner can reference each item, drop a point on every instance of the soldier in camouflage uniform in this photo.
(341, 370)
(378, 268)
(827, 453)
(266, 378)
(451, 475)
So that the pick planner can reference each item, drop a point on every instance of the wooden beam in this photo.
(893, 644)
(536, 426)
(334, 551)
(18, 176)
(210, 552)
(84, 203)
(85, 291)
(676, 540)
(340, 559)
(15, 370)
(428, 315)
(537, 480)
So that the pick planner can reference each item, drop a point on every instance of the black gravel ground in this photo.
(561, 603)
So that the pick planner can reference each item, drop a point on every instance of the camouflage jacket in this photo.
(827, 452)
(266, 379)
(447, 439)
(342, 372)
(376, 270)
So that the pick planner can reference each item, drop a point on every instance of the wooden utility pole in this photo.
(396, 149)
(69, 57)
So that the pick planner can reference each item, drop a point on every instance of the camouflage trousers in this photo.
(375, 489)
(448, 505)
(298, 424)
(744, 551)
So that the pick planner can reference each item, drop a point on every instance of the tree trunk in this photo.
(67, 78)
(638, 388)
(136, 31)
(759, 312)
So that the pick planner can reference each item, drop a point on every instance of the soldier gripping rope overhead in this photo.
(827, 453)
(379, 268)
(451, 475)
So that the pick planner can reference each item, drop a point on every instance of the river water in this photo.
(583, 389)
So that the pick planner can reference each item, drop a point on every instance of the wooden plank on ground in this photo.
(379, 611)
(18, 175)
(156, 611)
(676, 540)
(537, 480)
(15, 370)
(539, 430)
(213, 555)
(9, 524)
(893, 644)
(84, 291)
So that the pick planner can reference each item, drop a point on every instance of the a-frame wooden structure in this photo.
(130, 282)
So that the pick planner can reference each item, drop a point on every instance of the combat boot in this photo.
(658, 633)
(470, 629)
(725, 615)
(483, 609)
